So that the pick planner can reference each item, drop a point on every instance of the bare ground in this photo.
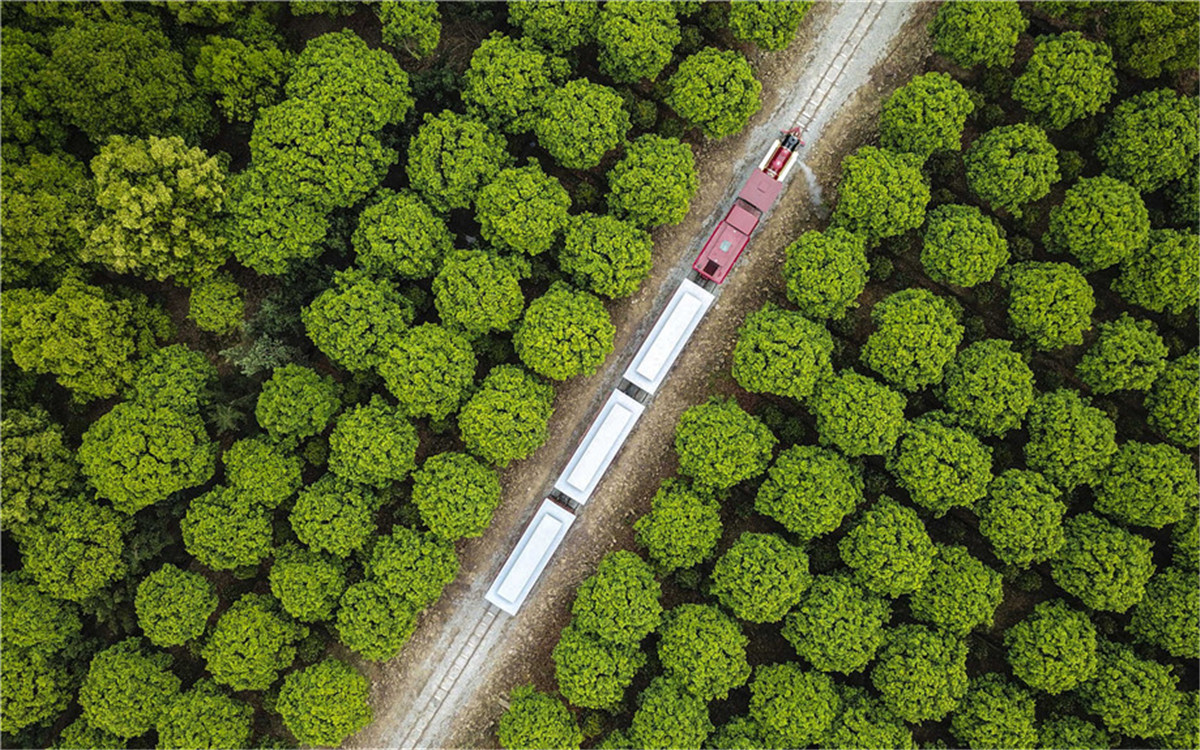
(518, 652)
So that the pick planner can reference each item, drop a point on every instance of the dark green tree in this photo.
(1133, 696)
(881, 194)
(582, 121)
(1148, 484)
(760, 577)
(413, 565)
(216, 305)
(173, 605)
(653, 184)
(76, 549)
(127, 688)
(960, 594)
(995, 712)
(506, 419)
(1010, 166)
(716, 91)
(1173, 402)
(374, 622)
(508, 82)
(37, 688)
(1101, 222)
(636, 39)
(335, 516)
(927, 114)
(34, 621)
(1102, 564)
(226, 529)
(325, 703)
(865, 722)
(455, 495)
(720, 445)
(793, 706)
(916, 336)
(451, 157)
(522, 210)
(356, 321)
(810, 490)
(1070, 441)
(557, 25)
(941, 467)
(268, 229)
(1128, 355)
(668, 716)
(971, 34)
(988, 387)
(1164, 276)
(338, 71)
(619, 602)
(307, 584)
(1150, 139)
(704, 650)
(252, 643)
(1022, 517)
(429, 370)
(477, 292)
(1066, 62)
(858, 415)
(769, 25)
(205, 716)
(825, 272)
(1072, 732)
(606, 255)
(534, 719)
(782, 352)
(45, 196)
(373, 444)
(1153, 39)
(921, 673)
(838, 626)
(399, 236)
(592, 672)
(1053, 648)
(962, 246)
(415, 28)
(1168, 616)
(1050, 304)
(296, 402)
(244, 75)
(682, 528)
(889, 550)
(38, 469)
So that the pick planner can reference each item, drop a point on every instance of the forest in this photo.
(250, 413)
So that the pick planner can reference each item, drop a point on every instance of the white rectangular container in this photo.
(599, 447)
(670, 334)
(529, 558)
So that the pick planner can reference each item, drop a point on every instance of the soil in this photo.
(517, 650)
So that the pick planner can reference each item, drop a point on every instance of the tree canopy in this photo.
(654, 181)
(916, 336)
(769, 25)
(506, 418)
(1102, 564)
(429, 369)
(971, 34)
(825, 272)
(582, 121)
(941, 466)
(858, 415)
(720, 445)
(1150, 139)
(373, 444)
(995, 712)
(1022, 517)
(793, 706)
(838, 625)
(810, 490)
(173, 605)
(1101, 222)
(1070, 441)
(522, 209)
(455, 495)
(451, 157)
(356, 320)
(760, 577)
(962, 246)
(927, 114)
(1011, 166)
(960, 594)
(1173, 402)
(127, 688)
(636, 39)
(889, 550)
(781, 352)
(1148, 484)
(325, 703)
(1051, 304)
(477, 292)
(715, 91)
(704, 650)
(1054, 648)
(882, 193)
(1163, 276)
(921, 673)
(620, 601)
(535, 719)
(399, 236)
(682, 528)
(1066, 62)
(988, 387)
(606, 255)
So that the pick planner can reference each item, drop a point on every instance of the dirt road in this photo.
(447, 688)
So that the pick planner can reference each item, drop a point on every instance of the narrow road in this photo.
(447, 686)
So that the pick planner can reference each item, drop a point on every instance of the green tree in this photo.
(1150, 139)
(865, 722)
(455, 495)
(127, 688)
(216, 305)
(1053, 648)
(1164, 276)
(252, 643)
(339, 71)
(335, 516)
(1148, 485)
(325, 703)
(769, 25)
(429, 370)
(374, 622)
(838, 626)
(760, 577)
(825, 272)
(477, 292)
(399, 236)
(653, 184)
(995, 712)
(137, 455)
(1010, 166)
(173, 605)
(534, 719)
(1102, 564)
(988, 387)
(960, 594)
(262, 471)
(1153, 39)
(523, 209)
(28, 116)
(1101, 222)
(1173, 402)
(668, 716)
(508, 82)
(940, 466)
(1128, 355)
(38, 469)
(36, 690)
(226, 529)
(792, 706)
(858, 415)
(889, 550)
(1168, 616)
(296, 402)
(971, 34)
(592, 672)
(636, 40)
(1066, 62)
(1070, 441)
(1133, 696)
(244, 75)
(34, 621)
(716, 91)
(606, 255)
(921, 673)
(582, 121)
(451, 157)
(704, 650)
(916, 336)
(1022, 518)
(1072, 732)
(373, 444)
(962, 246)
(682, 528)
(268, 229)
(176, 378)
(782, 352)
(564, 333)
(738, 732)
(79, 735)
(720, 445)
(619, 602)
(927, 114)
(882, 194)
(1185, 542)
(205, 717)
(83, 336)
(110, 77)
(317, 155)
(810, 490)
(507, 418)
(76, 549)
(44, 196)
(1050, 304)
(413, 565)
(357, 321)
(307, 584)
(415, 28)
(556, 25)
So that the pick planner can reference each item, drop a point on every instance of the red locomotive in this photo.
(757, 196)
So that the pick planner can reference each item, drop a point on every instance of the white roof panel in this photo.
(599, 447)
(529, 558)
(670, 334)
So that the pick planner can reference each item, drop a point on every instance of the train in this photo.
(647, 370)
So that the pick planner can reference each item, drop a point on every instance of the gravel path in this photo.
(446, 689)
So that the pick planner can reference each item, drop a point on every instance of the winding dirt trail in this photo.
(447, 688)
